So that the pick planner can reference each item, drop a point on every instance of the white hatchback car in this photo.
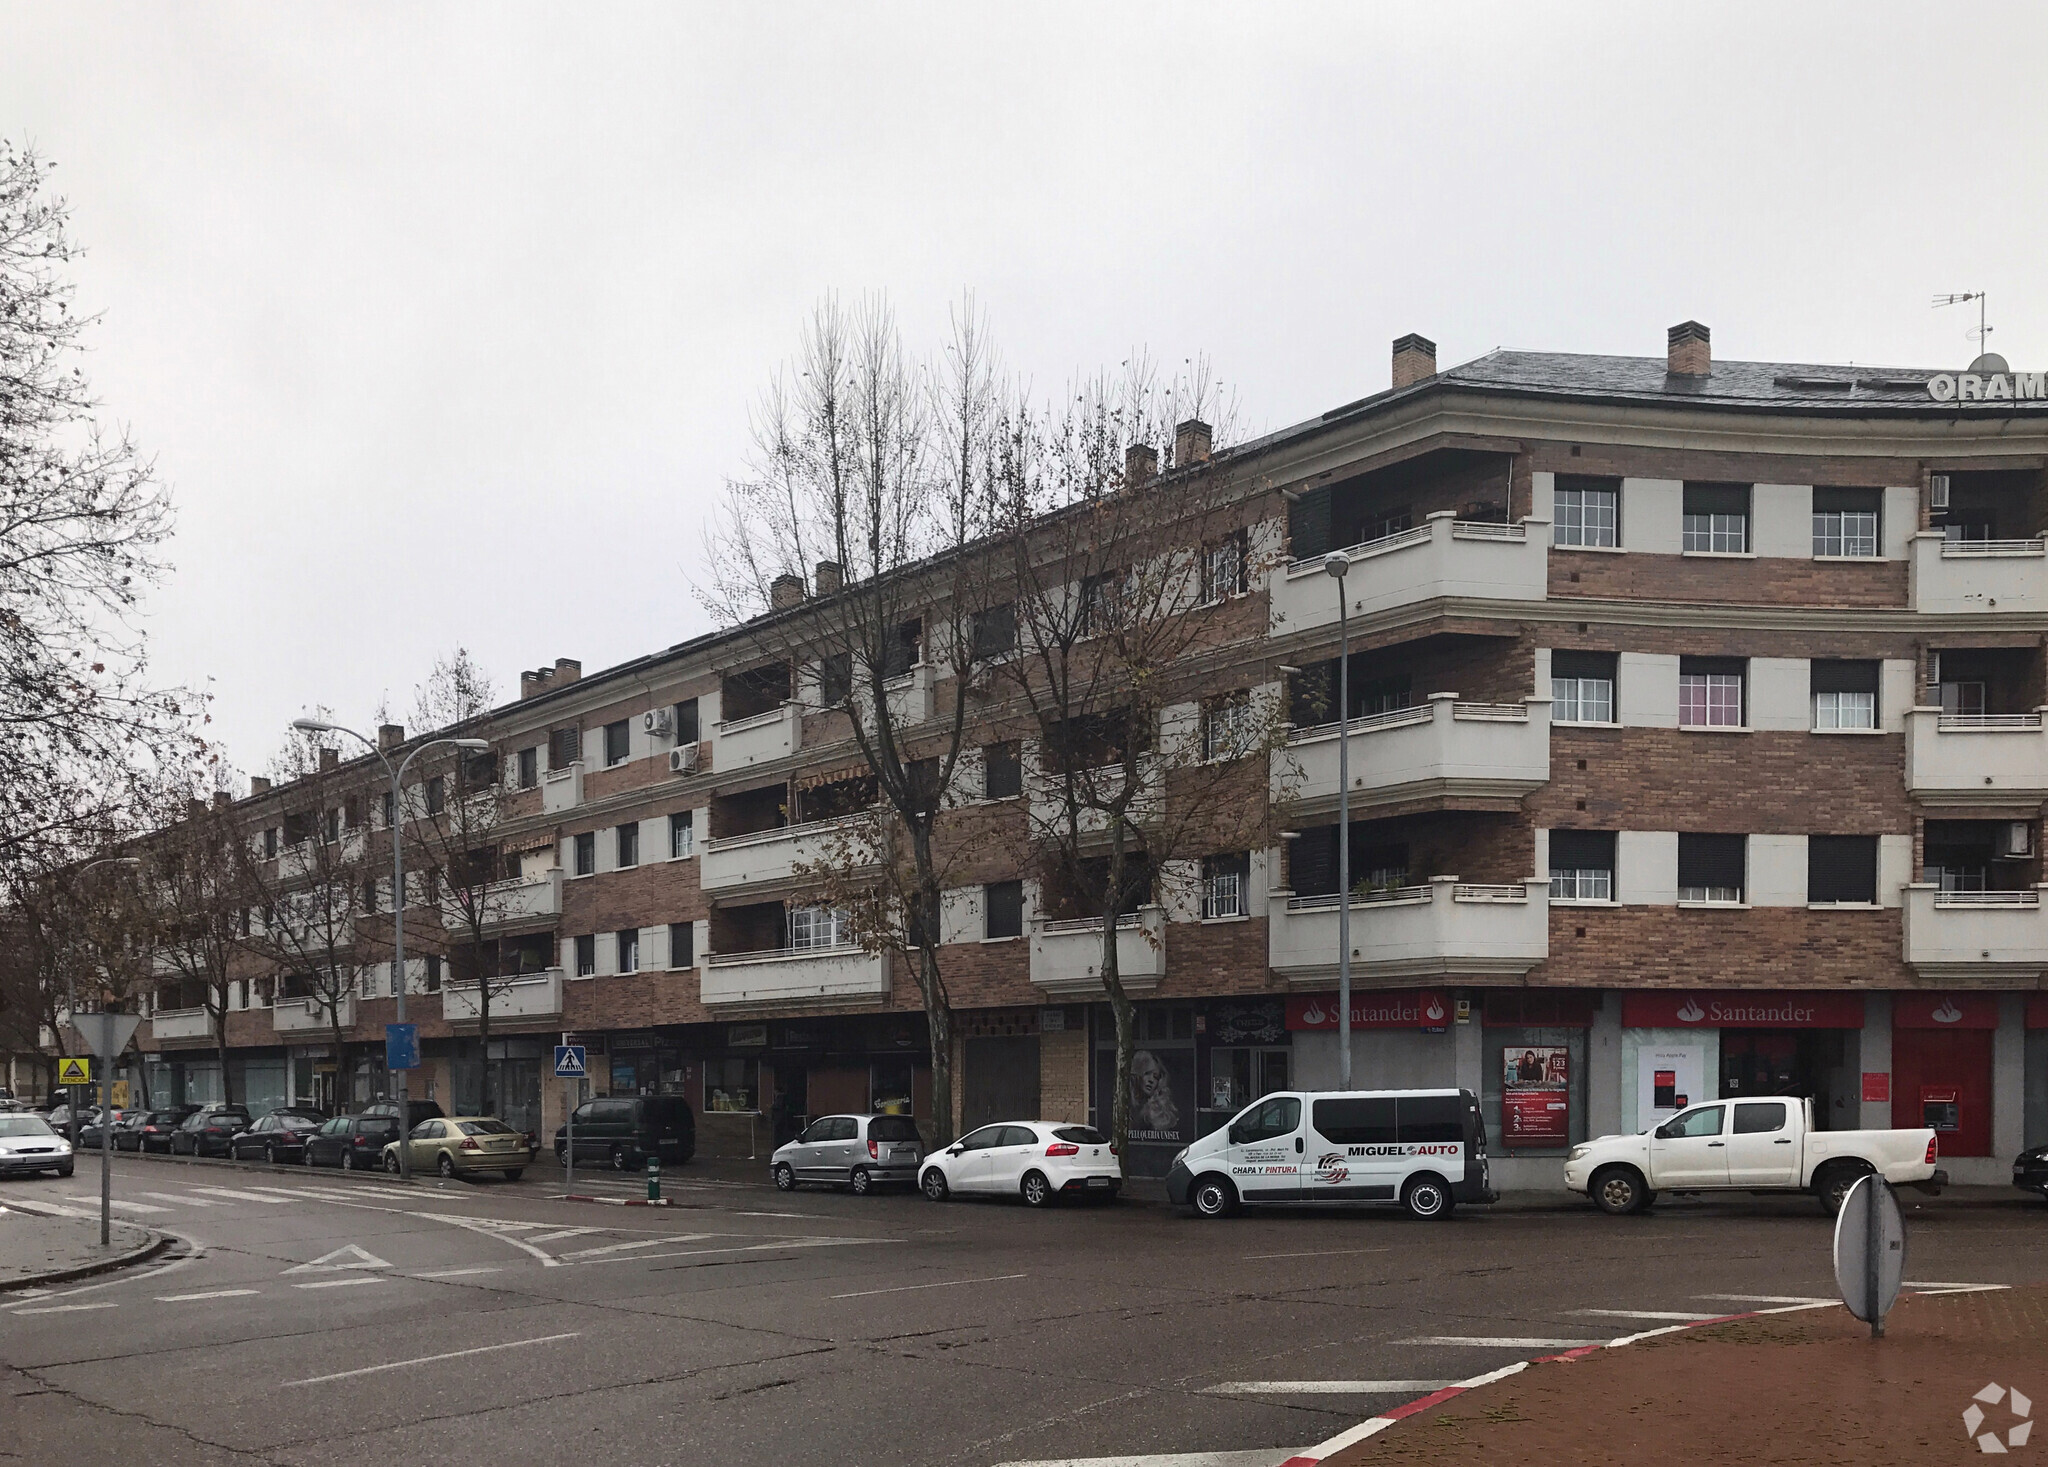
(1040, 1161)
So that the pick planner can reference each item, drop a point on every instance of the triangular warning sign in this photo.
(346, 1256)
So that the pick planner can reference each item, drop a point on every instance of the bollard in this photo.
(654, 1179)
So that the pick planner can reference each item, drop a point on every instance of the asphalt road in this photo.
(310, 1317)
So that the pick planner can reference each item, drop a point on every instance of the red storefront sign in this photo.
(1659, 1009)
(1424, 1008)
(1535, 1100)
(1944, 1011)
(2037, 1011)
(1877, 1087)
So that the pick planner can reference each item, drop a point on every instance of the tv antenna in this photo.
(1983, 330)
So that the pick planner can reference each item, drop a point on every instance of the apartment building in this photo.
(1696, 749)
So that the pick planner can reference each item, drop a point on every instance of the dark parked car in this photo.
(2030, 1170)
(207, 1131)
(279, 1136)
(156, 1130)
(353, 1143)
(89, 1132)
(60, 1117)
(627, 1130)
(415, 1112)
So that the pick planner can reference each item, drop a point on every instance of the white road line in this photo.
(1958, 1288)
(802, 1216)
(561, 1233)
(66, 1308)
(1500, 1342)
(431, 1359)
(209, 1294)
(456, 1273)
(240, 1196)
(947, 1284)
(491, 1230)
(144, 1207)
(1325, 1253)
(47, 1209)
(360, 1278)
(1685, 1316)
(1264, 1457)
(1325, 1387)
(790, 1246)
(1766, 1299)
(183, 1201)
(642, 1243)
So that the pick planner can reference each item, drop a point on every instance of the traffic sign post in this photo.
(1870, 1251)
(571, 1066)
(108, 1035)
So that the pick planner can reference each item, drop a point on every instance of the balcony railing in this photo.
(1066, 953)
(793, 975)
(1952, 577)
(310, 1015)
(1442, 928)
(1445, 558)
(508, 903)
(561, 789)
(759, 739)
(524, 996)
(766, 857)
(1440, 747)
(1981, 934)
(1976, 759)
(181, 1024)
(1047, 791)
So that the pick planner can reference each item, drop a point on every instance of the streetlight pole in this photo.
(1336, 563)
(397, 776)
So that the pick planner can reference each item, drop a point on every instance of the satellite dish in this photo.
(1990, 362)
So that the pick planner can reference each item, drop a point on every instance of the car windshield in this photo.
(485, 1128)
(1081, 1135)
(24, 1126)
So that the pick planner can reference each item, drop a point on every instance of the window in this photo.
(921, 781)
(811, 928)
(1224, 883)
(1002, 771)
(1223, 568)
(1582, 687)
(732, 1084)
(1280, 1116)
(835, 678)
(1841, 868)
(682, 835)
(1379, 524)
(618, 742)
(529, 767)
(1227, 726)
(629, 950)
(270, 844)
(1002, 909)
(1845, 521)
(995, 630)
(586, 853)
(627, 837)
(1844, 695)
(1759, 1117)
(565, 747)
(1703, 1122)
(333, 826)
(1587, 513)
(1429, 1119)
(922, 927)
(1582, 865)
(586, 955)
(1100, 597)
(682, 944)
(437, 794)
(390, 810)
(688, 730)
(1710, 692)
(1716, 519)
(433, 972)
(902, 652)
(1711, 868)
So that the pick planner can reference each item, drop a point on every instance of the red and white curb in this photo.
(1374, 1425)
(614, 1201)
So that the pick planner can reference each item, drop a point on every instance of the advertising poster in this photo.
(1162, 1094)
(1535, 1095)
(1667, 1081)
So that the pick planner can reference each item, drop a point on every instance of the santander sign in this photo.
(1734, 1009)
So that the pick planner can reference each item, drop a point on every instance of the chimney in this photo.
(831, 578)
(533, 683)
(330, 760)
(785, 591)
(1141, 462)
(1690, 354)
(390, 736)
(1190, 443)
(258, 785)
(567, 670)
(1414, 359)
(222, 799)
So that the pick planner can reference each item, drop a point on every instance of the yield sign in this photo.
(346, 1256)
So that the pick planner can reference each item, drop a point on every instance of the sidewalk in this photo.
(1809, 1387)
(36, 1249)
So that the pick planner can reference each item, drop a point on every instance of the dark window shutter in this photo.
(1308, 524)
(1002, 771)
(1004, 909)
(686, 722)
(1827, 500)
(1845, 677)
(1565, 663)
(1712, 666)
(1581, 850)
(1712, 860)
(1312, 862)
(565, 747)
(1841, 868)
(1717, 498)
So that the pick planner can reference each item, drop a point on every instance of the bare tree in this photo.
(873, 474)
(197, 876)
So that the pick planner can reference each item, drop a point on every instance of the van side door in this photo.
(1353, 1156)
(1267, 1144)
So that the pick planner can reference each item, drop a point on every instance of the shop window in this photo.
(1844, 694)
(1841, 869)
(1845, 521)
(1716, 519)
(1533, 1090)
(890, 1087)
(1587, 512)
(1238, 1076)
(1002, 905)
(1710, 692)
(1711, 868)
(732, 1084)
(1582, 865)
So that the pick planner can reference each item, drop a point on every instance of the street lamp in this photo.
(71, 1000)
(1335, 564)
(397, 775)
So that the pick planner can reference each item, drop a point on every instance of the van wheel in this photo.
(1214, 1197)
(1037, 1190)
(1833, 1184)
(1427, 1197)
(934, 1184)
(785, 1179)
(1619, 1191)
(861, 1182)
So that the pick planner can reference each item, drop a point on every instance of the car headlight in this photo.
(1179, 1157)
(1577, 1153)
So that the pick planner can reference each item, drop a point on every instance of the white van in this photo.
(1424, 1150)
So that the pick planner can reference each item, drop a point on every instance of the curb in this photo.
(614, 1201)
(158, 1243)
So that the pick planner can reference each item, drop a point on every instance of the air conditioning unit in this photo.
(2015, 840)
(683, 760)
(1937, 490)
(660, 722)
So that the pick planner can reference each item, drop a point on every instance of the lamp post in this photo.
(71, 1008)
(397, 775)
(1336, 563)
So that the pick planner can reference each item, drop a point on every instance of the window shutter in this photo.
(1712, 860)
(1830, 500)
(1564, 663)
(1712, 666)
(1845, 677)
(1308, 524)
(1312, 862)
(1581, 850)
(1841, 868)
(1716, 498)
(565, 747)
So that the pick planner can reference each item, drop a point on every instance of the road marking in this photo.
(348, 1255)
(144, 1207)
(642, 1243)
(1685, 1317)
(1766, 1299)
(65, 1308)
(431, 1359)
(491, 1229)
(209, 1294)
(1958, 1288)
(183, 1201)
(1501, 1342)
(240, 1196)
(791, 1245)
(1261, 1458)
(1324, 1387)
(996, 1278)
(358, 1278)
(1327, 1253)
(456, 1273)
(802, 1216)
(561, 1233)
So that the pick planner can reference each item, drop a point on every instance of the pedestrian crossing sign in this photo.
(74, 1072)
(569, 1063)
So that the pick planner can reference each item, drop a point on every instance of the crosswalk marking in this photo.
(183, 1201)
(208, 1294)
(240, 1196)
(142, 1207)
(456, 1273)
(1766, 1299)
(1264, 1457)
(639, 1243)
(64, 1308)
(1500, 1342)
(561, 1233)
(1326, 1387)
(360, 1278)
(1684, 1317)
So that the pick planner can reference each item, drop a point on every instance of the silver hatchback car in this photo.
(860, 1152)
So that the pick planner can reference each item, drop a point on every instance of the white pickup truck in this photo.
(1761, 1144)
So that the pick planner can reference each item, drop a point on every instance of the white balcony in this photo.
(1954, 577)
(1047, 792)
(1444, 558)
(794, 975)
(1441, 747)
(762, 739)
(1977, 758)
(180, 1024)
(528, 996)
(1066, 954)
(909, 695)
(1976, 934)
(310, 1015)
(1444, 929)
(561, 789)
(510, 903)
(771, 857)
(307, 858)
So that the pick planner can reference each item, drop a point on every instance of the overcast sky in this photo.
(443, 321)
